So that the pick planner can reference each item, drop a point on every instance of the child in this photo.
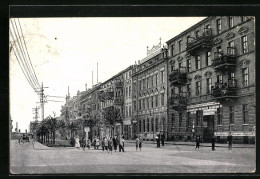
(88, 144)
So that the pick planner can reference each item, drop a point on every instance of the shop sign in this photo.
(217, 104)
(209, 112)
(252, 133)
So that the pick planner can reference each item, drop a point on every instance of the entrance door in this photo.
(208, 123)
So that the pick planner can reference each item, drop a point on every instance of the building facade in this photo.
(212, 79)
(150, 94)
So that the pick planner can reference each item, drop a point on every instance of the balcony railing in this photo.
(119, 101)
(178, 77)
(198, 44)
(225, 90)
(178, 100)
(225, 61)
(119, 84)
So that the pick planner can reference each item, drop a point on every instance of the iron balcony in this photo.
(224, 62)
(178, 77)
(225, 90)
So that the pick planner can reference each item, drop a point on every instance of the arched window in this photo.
(144, 125)
(156, 125)
(148, 123)
(140, 126)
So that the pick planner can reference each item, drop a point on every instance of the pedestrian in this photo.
(137, 142)
(197, 142)
(110, 145)
(88, 143)
(158, 141)
(121, 144)
(77, 143)
(115, 143)
(94, 142)
(106, 143)
(123, 137)
(103, 144)
(229, 140)
(140, 143)
(97, 143)
(213, 142)
(83, 143)
(162, 139)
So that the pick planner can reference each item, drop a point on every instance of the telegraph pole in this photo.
(36, 113)
(42, 101)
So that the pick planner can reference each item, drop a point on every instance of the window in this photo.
(245, 114)
(243, 18)
(147, 103)
(197, 62)
(208, 59)
(143, 103)
(126, 111)
(188, 90)
(244, 44)
(140, 85)
(219, 116)
(147, 83)
(180, 88)
(198, 88)
(218, 26)
(180, 44)
(148, 123)
(144, 125)
(219, 79)
(172, 67)
(198, 113)
(156, 101)
(134, 105)
(162, 76)
(152, 125)
(230, 22)
(140, 105)
(209, 84)
(130, 90)
(188, 119)
(188, 65)
(188, 38)
(126, 92)
(231, 76)
(151, 81)
(152, 102)
(172, 122)
(140, 126)
(156, 125)
(156, 79)
(179, 65)
(180, 120)
(143, 84)
(245, 77)
(231, 114)
(172, 50)
(172, 91)
(130, 111)
(162, 99)
(197, 33)
(207, 26)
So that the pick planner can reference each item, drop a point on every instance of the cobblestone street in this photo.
(167, 159)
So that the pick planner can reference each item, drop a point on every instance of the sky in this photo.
(65, 51)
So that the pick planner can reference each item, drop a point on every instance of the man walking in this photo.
(115, 143)
(162, 139)
(137, 142)
(197, 142)
(121, 144)
(158, 140)
(213, 142)
(229, 139)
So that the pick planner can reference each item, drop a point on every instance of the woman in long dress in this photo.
(77, 143)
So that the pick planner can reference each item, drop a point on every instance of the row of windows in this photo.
(208, 59)
(199, 115)
(151, 125)
(150, 102)
(151, 81)
(198, 34)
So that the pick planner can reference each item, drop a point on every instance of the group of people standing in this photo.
(107, 143)
(160, 139)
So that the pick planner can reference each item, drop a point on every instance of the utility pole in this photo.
(36, 113)
(42, 101)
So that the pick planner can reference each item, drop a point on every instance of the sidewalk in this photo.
(193, 144)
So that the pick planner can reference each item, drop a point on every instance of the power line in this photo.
(26, 66)
(28, 54)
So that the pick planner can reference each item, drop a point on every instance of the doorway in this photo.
(208, 124)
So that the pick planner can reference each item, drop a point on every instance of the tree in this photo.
(54, 125)
(112, 115)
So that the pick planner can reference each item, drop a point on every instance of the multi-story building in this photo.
(212, 79)
(150, 94)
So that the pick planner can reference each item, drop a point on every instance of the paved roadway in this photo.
(171, 159)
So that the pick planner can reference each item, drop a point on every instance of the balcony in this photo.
(178, 101)
(201, 43)
(225, 62)
(119, 101)
(119, 84)
(226, 90)
(178, 77)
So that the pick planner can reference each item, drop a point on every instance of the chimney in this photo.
(86, 86)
